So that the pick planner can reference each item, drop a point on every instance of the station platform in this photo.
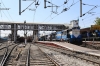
(74, 47)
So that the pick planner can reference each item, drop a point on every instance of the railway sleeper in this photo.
(45, 63)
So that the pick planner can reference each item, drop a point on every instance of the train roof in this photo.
(85, 29)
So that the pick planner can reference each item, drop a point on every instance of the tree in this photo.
(97, 21)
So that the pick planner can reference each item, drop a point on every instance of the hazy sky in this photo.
(42, 15)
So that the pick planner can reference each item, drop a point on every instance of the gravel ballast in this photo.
(66, 60)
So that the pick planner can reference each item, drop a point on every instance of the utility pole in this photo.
(80, 8)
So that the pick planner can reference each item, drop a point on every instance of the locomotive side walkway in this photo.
(92, 41)
(74, 47)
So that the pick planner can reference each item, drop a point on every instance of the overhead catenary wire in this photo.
(59, 7)
(34, 16)
(47, 17)
(90, 5)
(64, 3)
(35, 11)
(1, 12)
(0, 6)
(83, 24)
(7, 11)
(89, 20)
(64, 10)
(85, 19)
(1, 16)
(27, 7)
(89, 12)
(50, 14)
(91, 16)
(95, 6)
(6, 16)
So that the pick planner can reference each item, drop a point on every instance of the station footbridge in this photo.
(35, 27)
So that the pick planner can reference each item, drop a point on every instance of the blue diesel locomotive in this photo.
(72, 34)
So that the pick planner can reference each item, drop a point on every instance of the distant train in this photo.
(3, 39)
(72, 35)
(91, 34)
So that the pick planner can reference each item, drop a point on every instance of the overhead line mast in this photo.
(34, 1)
(19, 7)
(80, 8)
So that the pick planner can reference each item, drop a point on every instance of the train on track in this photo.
(71, 35)
(90, 35)
(3, 39)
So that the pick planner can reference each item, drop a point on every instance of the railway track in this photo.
(91, 45)
(95, 60)
(3, 50)
(13, 56)
(3, 45)
(6, 54)
(34, 56)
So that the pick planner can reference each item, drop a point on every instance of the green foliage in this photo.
(97, 21)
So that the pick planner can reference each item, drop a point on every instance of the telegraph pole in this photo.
(80, 8)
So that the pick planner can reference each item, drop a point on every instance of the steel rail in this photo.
(4, 56)
(50, 58)
(17, 57)
(76, 56)
(5, 47)
(7, 55)
(4, 53)
(28, 57)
